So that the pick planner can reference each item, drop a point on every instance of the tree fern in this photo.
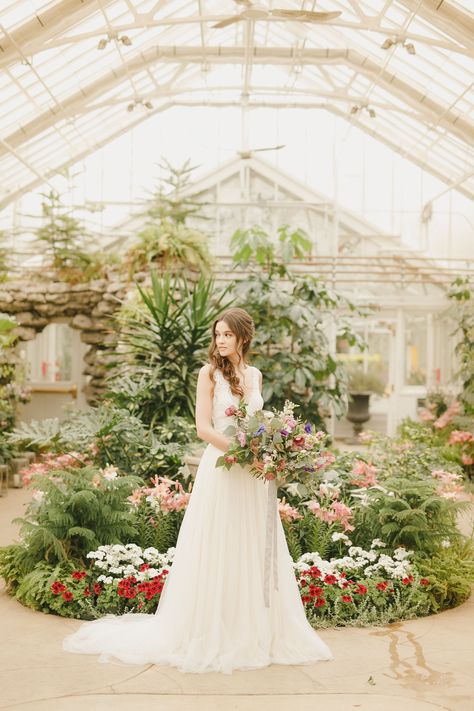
(79, 511)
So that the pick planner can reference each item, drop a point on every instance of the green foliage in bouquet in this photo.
(164, 344)
(76, 510)
(293, 320)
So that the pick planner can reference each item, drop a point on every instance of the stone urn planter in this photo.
(359, 411)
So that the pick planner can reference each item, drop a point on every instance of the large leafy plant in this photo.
(75, 511)
(164, 341)
(293, 314)
(66, 244)
(462, 295)
(166, 242)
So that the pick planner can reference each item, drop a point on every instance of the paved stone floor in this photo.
(412, 666)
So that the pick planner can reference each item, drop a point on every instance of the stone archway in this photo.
(88, 307)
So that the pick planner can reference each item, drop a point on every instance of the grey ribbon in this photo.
(271, 541)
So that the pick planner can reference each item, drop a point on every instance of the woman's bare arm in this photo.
(204, 428)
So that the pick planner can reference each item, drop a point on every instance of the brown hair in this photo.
(241, 323)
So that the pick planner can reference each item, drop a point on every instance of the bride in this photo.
(213, 614)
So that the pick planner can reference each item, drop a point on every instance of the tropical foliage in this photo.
(294, 315)
(164, 343)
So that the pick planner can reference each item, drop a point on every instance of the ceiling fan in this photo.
(246, 154)
(259, 11)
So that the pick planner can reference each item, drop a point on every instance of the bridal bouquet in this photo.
(274, 443)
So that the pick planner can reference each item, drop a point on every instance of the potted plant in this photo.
(361, 385)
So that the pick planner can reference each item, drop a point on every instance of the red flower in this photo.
(68, 596)
(304, 598)
(408, 580)
(78, 574)
(165, 571)
(315, 590)
(131, 593)
(87, 592)
(57, 587)
(382, 586)
(346, 598)
(144, 567)
(319, 602)
(345, 585)
(315, 572)
(330, 579)
(97, 588)
(303, 582)
(361, 589)
(424, 581)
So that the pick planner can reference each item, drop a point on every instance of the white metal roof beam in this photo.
(415, 97)
(452, 184)
(368, 24)
(445, 17)
(32, 36)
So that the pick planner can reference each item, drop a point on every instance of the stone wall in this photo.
(88, 307)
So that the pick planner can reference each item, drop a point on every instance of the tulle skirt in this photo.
(211, 614)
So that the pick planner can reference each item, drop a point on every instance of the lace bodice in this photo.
(223, 398)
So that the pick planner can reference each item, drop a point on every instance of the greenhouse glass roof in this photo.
(78, 73)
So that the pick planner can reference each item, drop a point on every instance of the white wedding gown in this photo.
(211, 615)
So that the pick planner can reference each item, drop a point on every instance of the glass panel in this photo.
(415, 349)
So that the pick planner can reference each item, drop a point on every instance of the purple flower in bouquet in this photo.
(258, 432)
(308, 427)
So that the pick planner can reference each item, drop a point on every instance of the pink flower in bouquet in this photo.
(459, 437)
(231, 410)
(466, 459)
(269, 475)
(287, 513)
(290, 421)
(230, 459)
(241, 436)
(298, 442)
